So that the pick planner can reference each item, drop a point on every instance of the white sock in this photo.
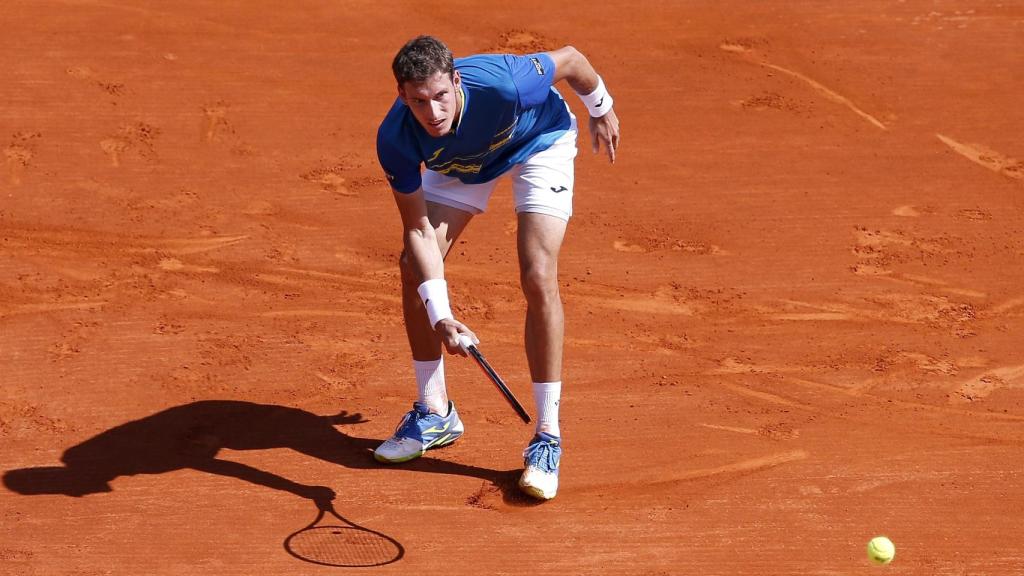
(546, 395)
(430, 383)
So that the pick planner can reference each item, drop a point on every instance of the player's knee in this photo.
(539, 282)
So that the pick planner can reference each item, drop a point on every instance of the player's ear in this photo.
(456, 78)
(401, 94)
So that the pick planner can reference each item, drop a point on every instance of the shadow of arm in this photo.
(318, 494)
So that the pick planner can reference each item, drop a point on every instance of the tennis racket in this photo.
(344, 545)
(467, 344)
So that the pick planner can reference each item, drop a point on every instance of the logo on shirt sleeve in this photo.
(538, 66)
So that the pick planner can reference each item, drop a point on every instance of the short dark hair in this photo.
(421, 58)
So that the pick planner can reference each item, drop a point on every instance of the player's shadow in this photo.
(191, 435)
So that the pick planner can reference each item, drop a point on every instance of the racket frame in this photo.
(325, 508)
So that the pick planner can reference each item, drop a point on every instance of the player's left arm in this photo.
(573, 67)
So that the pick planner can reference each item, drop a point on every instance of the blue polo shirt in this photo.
(510, 112)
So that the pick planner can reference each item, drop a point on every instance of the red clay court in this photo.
(794, 304)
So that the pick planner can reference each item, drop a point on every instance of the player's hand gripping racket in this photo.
(345, 545)
(467, 344)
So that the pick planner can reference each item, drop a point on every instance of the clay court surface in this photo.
(794, 304)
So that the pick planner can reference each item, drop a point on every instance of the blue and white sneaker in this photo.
(540, 478)
(419, 431)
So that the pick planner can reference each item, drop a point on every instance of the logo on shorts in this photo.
(538, 65)
(559, 189)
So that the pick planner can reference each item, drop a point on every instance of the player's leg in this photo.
(433, 421)
(543, 186)
(539, 242)
(539, 239)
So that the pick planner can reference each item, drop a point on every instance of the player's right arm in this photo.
(425, 262)
(399, 157)
(418, 236)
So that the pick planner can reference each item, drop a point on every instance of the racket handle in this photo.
(465, 342)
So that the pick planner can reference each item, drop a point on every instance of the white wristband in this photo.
(434, 293)
(599, 102)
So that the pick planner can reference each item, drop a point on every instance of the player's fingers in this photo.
(451, 343)
(467, 339)
(456, 350)
(464, 338)
(607, 136)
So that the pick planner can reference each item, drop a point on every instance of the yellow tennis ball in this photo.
(881, 550)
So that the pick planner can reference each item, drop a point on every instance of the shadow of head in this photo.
(54, 480)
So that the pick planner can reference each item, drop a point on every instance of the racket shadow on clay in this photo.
(332, 540)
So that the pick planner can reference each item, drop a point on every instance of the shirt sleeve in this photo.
(532, 75)
(401, 167)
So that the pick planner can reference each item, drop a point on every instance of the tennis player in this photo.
(468, 122)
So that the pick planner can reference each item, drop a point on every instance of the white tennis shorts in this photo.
(542, 184)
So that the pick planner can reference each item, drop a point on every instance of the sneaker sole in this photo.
(535, 492)
(384, 460)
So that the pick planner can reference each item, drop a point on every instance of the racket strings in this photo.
(343, 546)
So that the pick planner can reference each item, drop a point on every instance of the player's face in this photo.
(433, 102)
